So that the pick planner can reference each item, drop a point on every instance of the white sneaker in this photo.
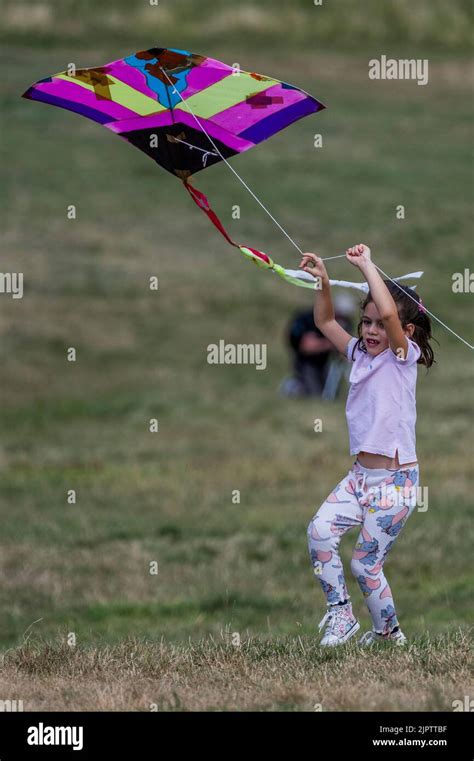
(341, 625)
(370, 638)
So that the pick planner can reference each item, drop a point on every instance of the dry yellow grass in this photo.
(291, 673)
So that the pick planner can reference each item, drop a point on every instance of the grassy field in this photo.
(166, 497)
(247, 25)
(274, 674)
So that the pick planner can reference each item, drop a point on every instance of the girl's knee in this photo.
(369, 577)
(320, 538)
(314, 529)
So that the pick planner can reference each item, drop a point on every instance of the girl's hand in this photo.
(358, 255)
(314, 265)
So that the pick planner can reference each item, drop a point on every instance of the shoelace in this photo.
(331, 617)
(329, 614)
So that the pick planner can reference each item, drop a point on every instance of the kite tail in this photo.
(201, 201)
(295, 277)
(258, 257)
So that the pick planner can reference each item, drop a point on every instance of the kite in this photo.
(187, 112)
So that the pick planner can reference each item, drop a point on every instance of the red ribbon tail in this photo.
(201, 201)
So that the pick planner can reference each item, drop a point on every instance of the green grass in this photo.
(287, 24)
(167, 497)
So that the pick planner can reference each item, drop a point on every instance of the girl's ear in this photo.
(409, 329)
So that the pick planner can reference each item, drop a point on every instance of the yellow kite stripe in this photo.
(123, 94)
(225, 94)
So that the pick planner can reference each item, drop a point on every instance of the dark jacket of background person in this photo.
(312, 353)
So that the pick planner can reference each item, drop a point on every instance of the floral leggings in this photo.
(379, 502)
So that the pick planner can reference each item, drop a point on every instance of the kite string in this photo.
(425, 309)
(329, 258)
(202, 128)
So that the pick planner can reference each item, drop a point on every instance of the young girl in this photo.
(378, 494)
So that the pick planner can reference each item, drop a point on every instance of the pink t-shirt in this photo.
(381, 406)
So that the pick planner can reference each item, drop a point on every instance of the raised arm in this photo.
(324, 317)
(360, 257)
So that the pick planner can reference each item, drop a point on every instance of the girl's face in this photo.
(373, 333)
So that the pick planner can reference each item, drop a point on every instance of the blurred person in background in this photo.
(316, 364)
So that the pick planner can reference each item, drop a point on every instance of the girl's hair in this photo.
(408, 311)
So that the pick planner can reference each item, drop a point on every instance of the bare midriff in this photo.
(370, 460)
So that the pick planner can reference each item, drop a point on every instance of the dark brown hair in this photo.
(409, 310)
